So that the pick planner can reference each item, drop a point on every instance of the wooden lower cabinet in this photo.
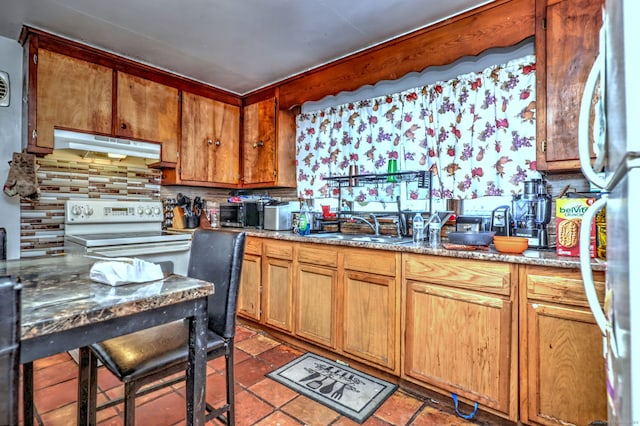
(370, 306)
(277, 290)
(517, 339)
(316, 290)
(461, 340)
(251, 280)
(562, 367)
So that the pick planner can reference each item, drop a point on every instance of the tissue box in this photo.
(569, 213)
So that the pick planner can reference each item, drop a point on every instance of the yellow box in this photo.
(569, 213)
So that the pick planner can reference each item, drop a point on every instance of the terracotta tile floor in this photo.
(259, 400)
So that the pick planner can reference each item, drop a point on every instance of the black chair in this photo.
(144, 357)
(9, 350)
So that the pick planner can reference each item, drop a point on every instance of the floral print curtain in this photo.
(476, 133)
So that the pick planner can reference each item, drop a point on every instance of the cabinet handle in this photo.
(258, 144)
(210, 142)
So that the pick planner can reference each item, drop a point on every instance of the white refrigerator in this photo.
(616, 140)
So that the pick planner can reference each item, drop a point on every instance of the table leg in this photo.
(87, 387)
(197, 366)
(27, 393)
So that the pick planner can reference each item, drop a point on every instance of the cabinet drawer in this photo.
(479, 275)
(278, 249)
(370, 261)
(560, 285)
(253, 246)
(318, 256)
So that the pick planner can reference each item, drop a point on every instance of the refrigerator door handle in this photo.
(597, 70)
(585, 263)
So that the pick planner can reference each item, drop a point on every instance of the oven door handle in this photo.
(142, 250)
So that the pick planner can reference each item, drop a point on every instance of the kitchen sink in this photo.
(362, 238)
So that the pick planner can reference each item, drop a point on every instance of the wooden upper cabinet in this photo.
(210, 141)
(70, 93)
(148, 110)
(259, 145)
(567, 37)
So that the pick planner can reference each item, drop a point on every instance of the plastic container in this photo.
(418, 229)
(514, 245)
(213, 219)
(435, 225)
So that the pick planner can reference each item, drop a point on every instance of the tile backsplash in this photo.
(63, 176)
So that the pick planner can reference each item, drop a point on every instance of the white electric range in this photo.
(107, 228)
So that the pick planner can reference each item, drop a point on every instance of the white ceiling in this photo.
(236, 45)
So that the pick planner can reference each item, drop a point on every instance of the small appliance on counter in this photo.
(532, 213)
(472, 223)
(501, 222)
(277, 215)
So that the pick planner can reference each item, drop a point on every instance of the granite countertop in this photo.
(58, 295)
(529, 257)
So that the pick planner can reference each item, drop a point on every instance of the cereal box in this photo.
(569, 212)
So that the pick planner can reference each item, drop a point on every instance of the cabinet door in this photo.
(460, 341)
(369, 325)
(210, 146)
(286, 153)
(278, 296)
(71, 93)
(566, 46)
(259, 146)
(148, 110)
(249, 291)
(316, 304)
(565, 369)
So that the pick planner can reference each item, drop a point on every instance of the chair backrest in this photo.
(3, 244)
(9, 350)
(216, 256)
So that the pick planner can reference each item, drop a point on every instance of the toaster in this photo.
(277, 215)
(472, 223)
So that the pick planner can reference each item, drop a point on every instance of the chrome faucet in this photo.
(375, 226)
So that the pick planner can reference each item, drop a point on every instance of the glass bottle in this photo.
(214, 218)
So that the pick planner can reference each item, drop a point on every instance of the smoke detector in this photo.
(4, 89)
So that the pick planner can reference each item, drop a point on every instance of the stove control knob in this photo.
(140, 211)
(89, 211)
(147, 210)
(156, 211)
(76, 210)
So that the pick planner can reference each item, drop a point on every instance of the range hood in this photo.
(116, 147)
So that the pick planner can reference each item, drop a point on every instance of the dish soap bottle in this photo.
(304, 227)
(434, 231)
(418, 229)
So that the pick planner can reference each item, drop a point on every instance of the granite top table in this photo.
(62, 309)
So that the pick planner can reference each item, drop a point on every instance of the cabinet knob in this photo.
(218, 142)
(123, 126)
(258, 144)
(209, 141)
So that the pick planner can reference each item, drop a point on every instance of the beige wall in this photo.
(10, 141)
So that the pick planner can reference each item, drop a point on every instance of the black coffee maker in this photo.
(532, 213)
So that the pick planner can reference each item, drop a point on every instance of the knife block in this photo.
(178, 218)
(204, 221)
